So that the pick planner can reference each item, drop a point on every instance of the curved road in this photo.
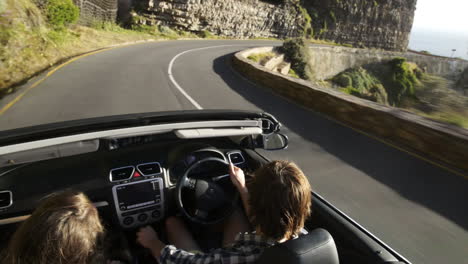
(417, 208)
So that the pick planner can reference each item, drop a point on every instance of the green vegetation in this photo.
(262, 57)
(359, 82)
(332, 16)
(33, 39)
(61, 13)
(388, 83)
(402, 84)
(436, 100)
(297, 52)
(403, 78)
(307, 30)
(292, 73)
(206, 34)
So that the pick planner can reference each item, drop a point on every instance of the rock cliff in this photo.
(233, 18)
(382, 24)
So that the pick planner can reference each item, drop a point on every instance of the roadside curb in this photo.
(415, 134)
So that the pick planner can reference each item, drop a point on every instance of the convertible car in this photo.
(139, 169)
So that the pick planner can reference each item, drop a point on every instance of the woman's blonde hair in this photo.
(63, 229)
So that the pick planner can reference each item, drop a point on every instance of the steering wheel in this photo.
(213, 201)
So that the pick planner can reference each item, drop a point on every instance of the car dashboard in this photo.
(131, 182)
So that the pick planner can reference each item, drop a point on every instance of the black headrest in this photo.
(317, 247)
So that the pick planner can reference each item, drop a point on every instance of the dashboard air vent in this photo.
(6, 199)
(121, 174)
(149, 169)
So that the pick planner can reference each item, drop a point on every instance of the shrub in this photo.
(403, 79)
(61, 13)
(165, 30)
(359, 82)
(206, 34)
(297, 52)
(343, 80)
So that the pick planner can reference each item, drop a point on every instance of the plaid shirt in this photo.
(246, 248)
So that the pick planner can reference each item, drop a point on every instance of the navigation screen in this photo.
(137, 195)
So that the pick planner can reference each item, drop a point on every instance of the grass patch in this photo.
(292, 73)
(261, 57)
(61, 13)
(435, 99)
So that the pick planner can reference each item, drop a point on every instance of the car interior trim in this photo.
(125, 132)
(64, 150)
(21, 218)
(217, 132)
(101, 204)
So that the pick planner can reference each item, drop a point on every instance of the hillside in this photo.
(32, 39)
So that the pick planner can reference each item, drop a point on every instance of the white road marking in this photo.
(171, 76)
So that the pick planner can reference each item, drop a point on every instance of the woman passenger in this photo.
(64, 229)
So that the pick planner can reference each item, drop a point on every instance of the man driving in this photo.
(277, 203)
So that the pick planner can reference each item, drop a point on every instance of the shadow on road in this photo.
(416, 180)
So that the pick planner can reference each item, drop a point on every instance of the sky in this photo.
(442, 16)
(441, 26)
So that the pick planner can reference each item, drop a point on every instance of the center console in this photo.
(139, 202)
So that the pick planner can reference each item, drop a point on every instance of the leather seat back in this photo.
(317, 247)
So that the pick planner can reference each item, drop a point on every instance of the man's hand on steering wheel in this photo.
(237, 177)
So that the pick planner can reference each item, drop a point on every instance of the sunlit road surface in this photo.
(417, 208)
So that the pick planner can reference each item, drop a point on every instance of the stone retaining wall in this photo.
(436, 140)
(97, 10)
(329, 61)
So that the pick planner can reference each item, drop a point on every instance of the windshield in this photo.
(373, 95)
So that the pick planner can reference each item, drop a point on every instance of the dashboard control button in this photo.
(142, 217)
(127, 213)
(156, 214)
(128, 220)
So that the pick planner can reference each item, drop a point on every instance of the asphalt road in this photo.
(417, 208)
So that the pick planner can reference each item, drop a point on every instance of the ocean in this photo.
(439, 43)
